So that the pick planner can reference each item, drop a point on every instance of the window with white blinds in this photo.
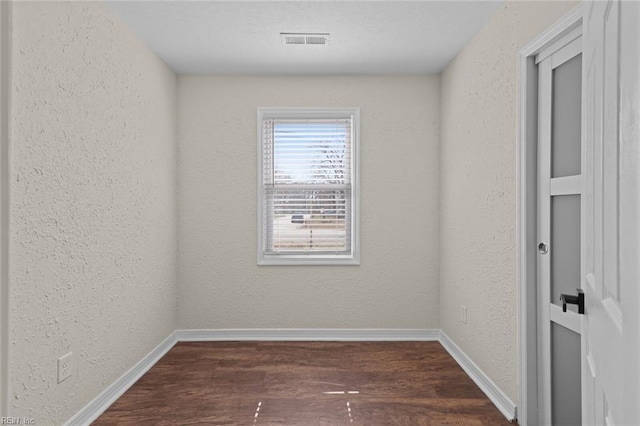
(307, 186)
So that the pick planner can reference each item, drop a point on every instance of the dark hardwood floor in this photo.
(306, 384)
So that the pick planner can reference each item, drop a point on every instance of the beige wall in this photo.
(93, 204)
(478, 188)
(396, 285)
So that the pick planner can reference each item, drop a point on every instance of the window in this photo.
(308, 186)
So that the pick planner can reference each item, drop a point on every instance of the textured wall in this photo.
(478, 188)
(396, 285)
(93, 215)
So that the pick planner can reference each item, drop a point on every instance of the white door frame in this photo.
(526, 226)
(5, 89)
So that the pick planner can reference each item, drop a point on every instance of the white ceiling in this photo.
(367, 37)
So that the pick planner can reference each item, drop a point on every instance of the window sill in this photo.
(293, 260)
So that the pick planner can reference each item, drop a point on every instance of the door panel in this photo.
(610, 150)
(565, 381)
(565, 240)
(565, 127)
(559, 226)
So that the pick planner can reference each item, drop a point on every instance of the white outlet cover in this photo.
(463, 313)
(64, 367)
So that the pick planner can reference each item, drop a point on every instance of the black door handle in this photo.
(574, 300)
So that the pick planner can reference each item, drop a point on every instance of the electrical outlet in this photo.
(463, 314)
(64, 367)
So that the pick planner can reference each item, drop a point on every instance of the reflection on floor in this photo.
(305, 383)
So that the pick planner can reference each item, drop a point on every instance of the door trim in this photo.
(5, 122)
(526, 226)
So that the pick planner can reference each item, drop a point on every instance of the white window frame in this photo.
(352, 258)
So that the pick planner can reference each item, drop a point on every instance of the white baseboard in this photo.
(313, 334)
(499, 399)
(107, 397)
(103, 401)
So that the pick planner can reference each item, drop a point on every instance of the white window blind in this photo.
(307, 186)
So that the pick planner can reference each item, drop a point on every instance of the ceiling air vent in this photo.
(305, 38)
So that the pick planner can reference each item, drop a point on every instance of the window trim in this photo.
(312, 259)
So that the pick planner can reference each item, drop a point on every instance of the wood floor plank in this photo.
(306, 384)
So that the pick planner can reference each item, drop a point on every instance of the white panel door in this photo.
(611, 162)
